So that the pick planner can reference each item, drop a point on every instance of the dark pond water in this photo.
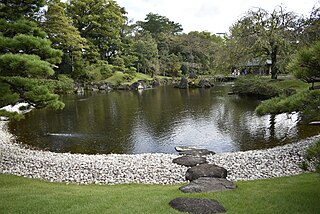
(157, 120)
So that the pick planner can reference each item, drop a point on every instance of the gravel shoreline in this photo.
(141, 168)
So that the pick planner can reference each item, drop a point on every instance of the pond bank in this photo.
(141, 168)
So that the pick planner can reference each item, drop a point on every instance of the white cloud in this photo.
(207, 15)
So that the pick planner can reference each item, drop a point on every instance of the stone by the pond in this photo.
(205, 84)
(315, 123)
(197, 205)
(207, 184)
(189, 160)
(206, 170)
(137, 86)
(197, 152)
(184, 84)
(184, 148)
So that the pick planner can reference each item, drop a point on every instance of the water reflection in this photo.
(157, 120)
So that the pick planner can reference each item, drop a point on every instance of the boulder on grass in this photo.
(206, 170)
(197, 205)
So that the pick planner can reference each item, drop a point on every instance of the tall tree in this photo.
(147, 53)
(127, 50)
(163, 31)
(157, 24)
(26, 57)
(263, 35)
(64, 36)
(197, 50)
(228, 54)
(311, 27)
(200, 49)
(101, 23)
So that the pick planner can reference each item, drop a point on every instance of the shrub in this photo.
(131, 71)
(106, 71)
(305, 101)
(312, 157)
(253, 85)
(64, 84)
(128, 77)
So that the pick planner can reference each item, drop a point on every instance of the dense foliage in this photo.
(260, 36)
(157, 25)
(253, 85)
(15, 9)
(26, 57)
(305, 65)
(101, 23)
(65, 37)
(312, 157)
(310, 32)
(304, 101)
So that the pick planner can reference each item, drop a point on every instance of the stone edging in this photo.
(141, 168)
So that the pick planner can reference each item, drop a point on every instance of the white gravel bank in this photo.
(141, 168)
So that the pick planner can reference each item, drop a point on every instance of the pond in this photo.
(157, 120)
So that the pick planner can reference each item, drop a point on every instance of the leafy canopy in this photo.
(305, 65)
(147, 53)
(26, 57)
(101, 23)
(263, 35)
(65, 37)
(157, 24)
(17, 9)
(306, 101)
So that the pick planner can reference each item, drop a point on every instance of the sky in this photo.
(215, 16)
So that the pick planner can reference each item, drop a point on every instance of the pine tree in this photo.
(26, 57)
(64, 36)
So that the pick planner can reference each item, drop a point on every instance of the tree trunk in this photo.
(272, 126)
(274, 67)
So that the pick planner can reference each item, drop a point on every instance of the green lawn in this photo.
(118, 77)
(297, 194)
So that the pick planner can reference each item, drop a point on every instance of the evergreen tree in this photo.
(101, 23)
(26, 57)
(305, 65)
(15, 9)
(65, 37)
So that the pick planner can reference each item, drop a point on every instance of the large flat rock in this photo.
(197, 205)
(197, 152)
(315, 123)
(205, 170)
(184, 148)
(207, 184)
(190, 160)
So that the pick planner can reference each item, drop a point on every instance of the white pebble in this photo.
(141, 168)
